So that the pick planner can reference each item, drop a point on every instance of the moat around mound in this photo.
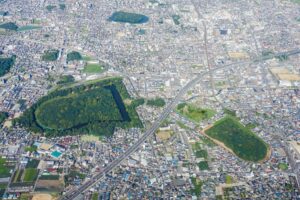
(126, 17)
(95, 108)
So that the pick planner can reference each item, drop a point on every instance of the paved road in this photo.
(73, 194)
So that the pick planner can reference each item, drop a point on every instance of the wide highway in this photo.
(73, 194)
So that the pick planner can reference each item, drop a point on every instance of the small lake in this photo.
(126, 17)
(119, 101)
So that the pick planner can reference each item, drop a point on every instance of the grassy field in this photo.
(239, 139)
(25, 196)
(3, 185)
(92, 68)
(228, 179)
(30, 175)
(28, 28)
(95, 196)
(87, 58)
(4, 171)
(90, 138)
(283, 166)
(194, 113)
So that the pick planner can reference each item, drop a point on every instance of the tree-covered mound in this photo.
(127, 17)
(50, 55)
(74, 55)
(157, 102)
(6, 64)
(3, 117)
(92, 108)
(244, 143)
(66, 79)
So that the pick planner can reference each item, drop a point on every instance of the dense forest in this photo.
(78, 109)
(3, 117)
(50, 55)
(94, 108)
(6, 64)
(74, 55)
(66, 79)
(158, 102)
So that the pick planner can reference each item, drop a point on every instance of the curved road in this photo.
(78, 191)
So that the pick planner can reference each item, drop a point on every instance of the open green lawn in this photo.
(92, 68)
(3, 185)
(95, 196)
(283, 166)
(30, 175)
(4, 170)
(30, 148)
(25, 196)
(194, 113)
(28, 28)
(228, 179)
(87, 58)
(244, 143)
